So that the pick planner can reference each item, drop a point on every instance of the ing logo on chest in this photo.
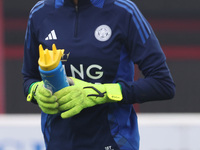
(82, 72)
(97, 73)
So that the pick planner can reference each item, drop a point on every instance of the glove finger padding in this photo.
(64, 95)
(73, 102)
(72, 112)
(48, 105)
(50, 111)
(69, 97)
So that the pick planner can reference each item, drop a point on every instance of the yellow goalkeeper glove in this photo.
(81, 94)
(46, 101)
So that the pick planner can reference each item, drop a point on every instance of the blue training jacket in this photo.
(103, 39)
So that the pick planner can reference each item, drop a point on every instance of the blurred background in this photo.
(177, 26)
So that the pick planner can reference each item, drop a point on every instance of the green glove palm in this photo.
(46, 101)
(82, 94)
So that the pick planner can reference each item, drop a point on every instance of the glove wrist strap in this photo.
(31, 92)
(114, 92)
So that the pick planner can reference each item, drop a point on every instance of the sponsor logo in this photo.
(80, 71)
(108, 148)
(51, 36)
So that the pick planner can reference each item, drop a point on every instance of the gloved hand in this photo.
(74, 98)
(46, 101)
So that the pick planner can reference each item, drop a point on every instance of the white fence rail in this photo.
(169, 131)
(157, 131)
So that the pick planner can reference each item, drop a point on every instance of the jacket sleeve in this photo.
(145, 51)
(30, 62)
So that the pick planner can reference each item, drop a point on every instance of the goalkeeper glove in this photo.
(47, 103)
(73, 99)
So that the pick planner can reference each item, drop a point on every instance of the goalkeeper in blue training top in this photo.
(105, 38)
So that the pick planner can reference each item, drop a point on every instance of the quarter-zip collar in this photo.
(80, 2)
(96, 3)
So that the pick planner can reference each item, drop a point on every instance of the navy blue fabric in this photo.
(103, 39)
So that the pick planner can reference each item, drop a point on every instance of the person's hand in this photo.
(81, 94)
(46, 101)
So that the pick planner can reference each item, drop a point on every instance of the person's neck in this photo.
(75, 2)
